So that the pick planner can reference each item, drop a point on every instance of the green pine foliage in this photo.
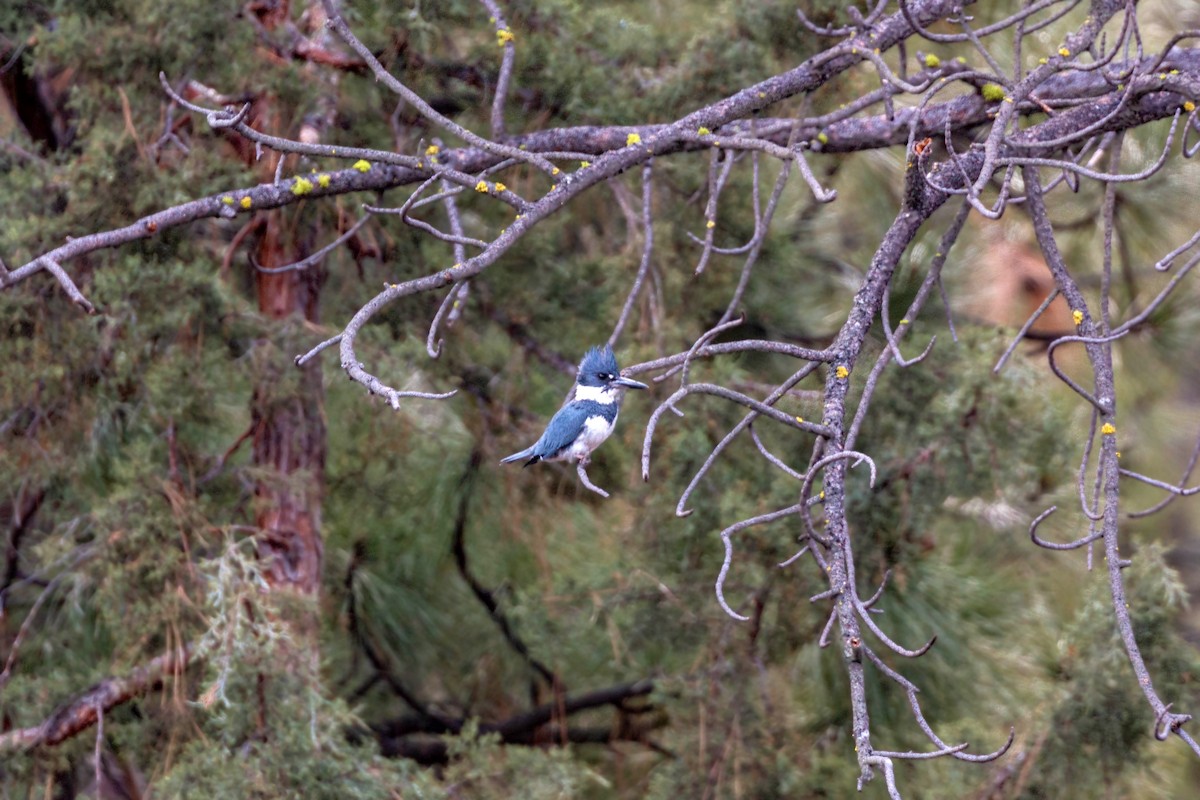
(126, 422)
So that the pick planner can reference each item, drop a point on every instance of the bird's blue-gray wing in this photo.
(563, 429)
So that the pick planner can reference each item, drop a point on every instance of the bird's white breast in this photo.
(595, 431)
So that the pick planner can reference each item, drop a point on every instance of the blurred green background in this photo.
(131, 507)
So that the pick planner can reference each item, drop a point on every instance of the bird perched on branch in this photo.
(586, 419)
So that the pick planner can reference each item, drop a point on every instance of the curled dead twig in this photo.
(1075, 545)
(728, 541)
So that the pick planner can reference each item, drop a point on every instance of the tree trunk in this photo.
(289, 426)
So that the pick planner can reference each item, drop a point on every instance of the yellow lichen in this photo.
(246, 202)
(1189, 106)
(842, 372)
(932, 61)
(362, 165)
(555, 170)
(702, 131)
(584, 164)
(481, 187)
(302, 186)
(500, 187)
(632, 138)
(504, 36)
(323, 181)
(1064, 52)
(432, 150)
(710, 224)
(992, 92)
(823, 137)
(1077, 315)
(1107, 429)
(227, 200)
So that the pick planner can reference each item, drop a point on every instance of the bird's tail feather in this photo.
(526, 453)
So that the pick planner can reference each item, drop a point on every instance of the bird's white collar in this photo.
(601, 394)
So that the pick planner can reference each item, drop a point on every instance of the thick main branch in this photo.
(81, 712)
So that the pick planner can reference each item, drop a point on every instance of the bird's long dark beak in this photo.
(630, 383)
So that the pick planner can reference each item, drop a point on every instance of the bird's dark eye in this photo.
(606, 376)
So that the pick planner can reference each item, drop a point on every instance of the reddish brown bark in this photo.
(290, 440)
(289, 429)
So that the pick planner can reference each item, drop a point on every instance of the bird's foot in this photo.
(581, 469)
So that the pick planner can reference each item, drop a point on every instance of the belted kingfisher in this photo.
(587, 417)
